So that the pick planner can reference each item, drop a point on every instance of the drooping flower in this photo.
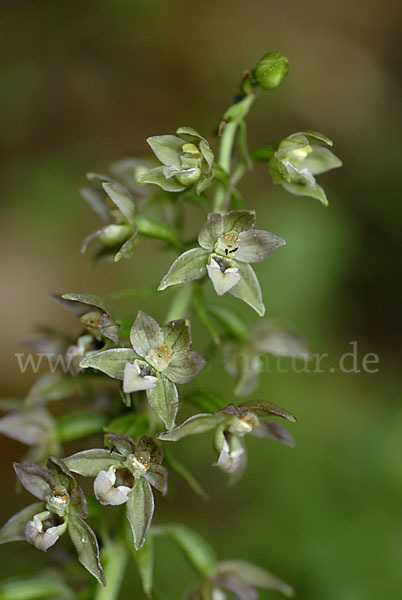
(187, 161)
(231, 424)
(125, 476)
(161, 358)
(93, 312)
(62, 508)
(240, 579)
(243, 359)
(298, 159)
(228, 243)
(114, 203)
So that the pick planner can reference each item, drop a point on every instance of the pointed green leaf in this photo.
(164, 401)
(248, 289)
(13, 530)
(188, 266)
(206, 400)
(133, 424)
(34, 588)
(140, 509)
(197, 550)
(144, 558)
(87, 547)
(111, 362)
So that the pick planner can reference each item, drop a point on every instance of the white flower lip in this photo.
(222, 281)
(133, 381)
(105, 490)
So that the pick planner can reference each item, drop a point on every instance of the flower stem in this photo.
(226, 151)
(180, 304)
(115, 559)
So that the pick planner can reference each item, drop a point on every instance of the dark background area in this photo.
(84, 83)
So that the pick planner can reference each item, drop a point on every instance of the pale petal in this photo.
(222, 281)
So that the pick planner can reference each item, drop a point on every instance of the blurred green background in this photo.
(84, 83)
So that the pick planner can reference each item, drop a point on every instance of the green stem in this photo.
(115, 559)
(179, 307)
(226, 151)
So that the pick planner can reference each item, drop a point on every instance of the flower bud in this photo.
(271, 70)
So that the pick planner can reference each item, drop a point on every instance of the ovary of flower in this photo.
(135, 379)
(223, 280)
(106, 491)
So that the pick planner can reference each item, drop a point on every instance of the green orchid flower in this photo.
(239, 579)
(187, 161)
(93, 312)
(298, 159)
(228, 243)
(62, 508)
(160, 358)
(114, 203)
(231, 424)
(125, 476)
(243, 359)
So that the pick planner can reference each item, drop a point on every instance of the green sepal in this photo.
(261, 408)
(87, 547)
(193, 426)
(111, 362)
(13, 529)
(157, 177)
(248, 289)
(140, 509)
(164, 401)
(188, 266)
(122, 199)
(89, 463)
